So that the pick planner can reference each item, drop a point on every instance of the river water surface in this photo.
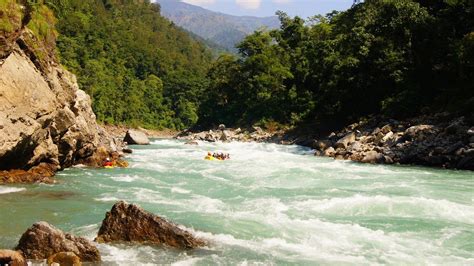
(269, 204)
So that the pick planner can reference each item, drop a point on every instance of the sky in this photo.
(262, 8)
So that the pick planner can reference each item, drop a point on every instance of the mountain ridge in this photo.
(220, 28)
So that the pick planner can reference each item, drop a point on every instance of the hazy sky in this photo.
(303, 8)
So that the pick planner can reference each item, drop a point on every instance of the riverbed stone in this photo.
(43, 240)
(135, 137)
(129, 222)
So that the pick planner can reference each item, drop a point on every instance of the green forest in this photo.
(398, 58)
(139, 68)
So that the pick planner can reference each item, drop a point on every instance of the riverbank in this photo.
(441, 140)
(119, 132)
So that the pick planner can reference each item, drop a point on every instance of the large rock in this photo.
(373, 157)
(345, 141)
(44, 116)
(136, 137)
(43, 240)
(128, 222)
(12, 258)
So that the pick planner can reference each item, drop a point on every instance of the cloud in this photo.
(281, 1)
(249, 4)
(200, 2)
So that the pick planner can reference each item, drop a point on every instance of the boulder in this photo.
(321, 145)
(127, 150)
(387, 137)
(128, 222)
(346, 140)
(12, 258)
(43, 240)
(65, 258)
(417, 132)
(258, 130)
(385, 129)
(356, 146)
(221, 127)
(135, 137)
(373, 157)
(329, 152)
(41, 173)
(225, 136)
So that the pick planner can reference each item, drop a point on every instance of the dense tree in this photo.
(138, 67)
(397, 57)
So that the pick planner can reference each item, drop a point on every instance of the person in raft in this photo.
(107, 163)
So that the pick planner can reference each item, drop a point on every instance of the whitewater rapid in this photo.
(269, 204)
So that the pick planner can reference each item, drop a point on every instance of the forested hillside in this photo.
(222, 29)
(139, 68)
(392, 57)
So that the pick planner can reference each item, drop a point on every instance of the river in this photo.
(269, 204)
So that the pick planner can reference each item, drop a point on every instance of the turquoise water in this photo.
(270, 204)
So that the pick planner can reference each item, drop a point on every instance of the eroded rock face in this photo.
(44, 117)
(43, 240)
(128, 222)
(135, 137)
(12, 258)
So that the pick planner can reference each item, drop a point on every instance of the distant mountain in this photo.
(222, 29)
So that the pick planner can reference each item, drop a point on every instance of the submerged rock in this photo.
(43, 240)
(129, 222)
(135, 137)
(12, 258)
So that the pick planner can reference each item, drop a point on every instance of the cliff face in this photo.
(45, 119)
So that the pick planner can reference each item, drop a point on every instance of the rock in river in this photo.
(129, 222)
(136, 137)
(43, 240)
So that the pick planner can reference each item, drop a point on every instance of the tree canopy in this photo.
(138, 67)
(394, 57)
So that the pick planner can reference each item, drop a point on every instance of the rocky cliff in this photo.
(46, 121)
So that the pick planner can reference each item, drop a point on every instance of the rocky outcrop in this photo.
(44, 117)
(128, 222)
(441, 140)
(135, 137)
(12, 258)
(42, 240)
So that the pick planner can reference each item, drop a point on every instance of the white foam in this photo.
(180, 190)
(125, 178)
(420, 207)
(187, 261)
(7, 190)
